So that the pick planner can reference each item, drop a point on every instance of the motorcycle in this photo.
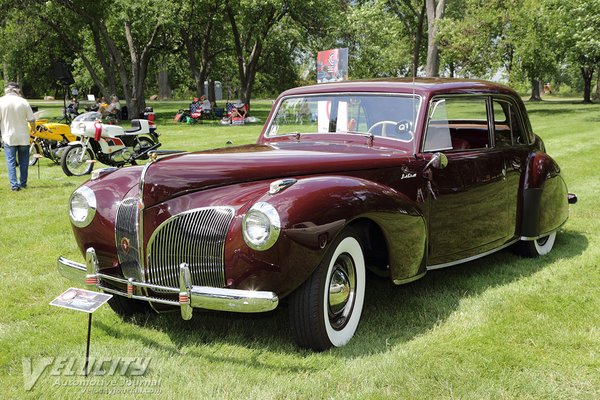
(48, 139)
(110, 144)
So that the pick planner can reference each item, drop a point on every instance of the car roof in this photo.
(421, 86)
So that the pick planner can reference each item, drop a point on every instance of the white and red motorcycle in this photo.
(110, 144)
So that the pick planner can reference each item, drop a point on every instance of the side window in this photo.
(457, 123)
(507, 125)
(502, 124)
(518, 133)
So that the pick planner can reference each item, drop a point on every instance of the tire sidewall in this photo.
(350, 246)
(32, 159)
(147, 140)
(64, 163)
(543, 249)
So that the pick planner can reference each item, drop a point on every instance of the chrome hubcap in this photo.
(342, 287)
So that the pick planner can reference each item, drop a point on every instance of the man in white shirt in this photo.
(15, 114)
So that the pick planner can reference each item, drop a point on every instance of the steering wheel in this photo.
(383, 125)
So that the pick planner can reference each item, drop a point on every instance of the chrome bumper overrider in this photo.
(190, 296)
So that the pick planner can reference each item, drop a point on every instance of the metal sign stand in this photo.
(87, 350)
(86, 301)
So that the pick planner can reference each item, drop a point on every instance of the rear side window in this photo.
(508, 129)
(457, 123)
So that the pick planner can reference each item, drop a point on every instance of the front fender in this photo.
(545, 199)
(314, 211)
(77, 143)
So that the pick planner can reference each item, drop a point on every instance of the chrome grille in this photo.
(126, 238)
(196, 237)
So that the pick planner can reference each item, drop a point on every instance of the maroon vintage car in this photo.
(395, 176)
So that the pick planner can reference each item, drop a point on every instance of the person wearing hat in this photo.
(15, 114)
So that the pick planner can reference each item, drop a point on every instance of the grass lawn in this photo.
(501, 327)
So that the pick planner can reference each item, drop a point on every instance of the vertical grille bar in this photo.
(126, 239)
(196, 237)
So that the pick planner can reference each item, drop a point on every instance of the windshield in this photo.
(88, 116)
(391, 116)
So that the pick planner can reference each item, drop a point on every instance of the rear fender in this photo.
(545, 198)
(314, 211)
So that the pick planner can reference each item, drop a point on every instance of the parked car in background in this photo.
(398, 177)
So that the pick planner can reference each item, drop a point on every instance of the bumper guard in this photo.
(190, 297)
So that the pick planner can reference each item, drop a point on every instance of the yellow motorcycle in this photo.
(49, 139)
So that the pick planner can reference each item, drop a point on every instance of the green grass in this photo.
(502, 327)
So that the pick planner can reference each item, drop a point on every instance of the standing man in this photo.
(15, 113)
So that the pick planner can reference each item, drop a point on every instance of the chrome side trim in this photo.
(475, 257)
(220, 299)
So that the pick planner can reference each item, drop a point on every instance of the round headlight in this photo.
(261, 226)
(82, 207)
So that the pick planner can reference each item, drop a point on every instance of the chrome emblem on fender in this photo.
(125, 245)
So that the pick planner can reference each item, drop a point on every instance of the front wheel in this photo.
(538, 247)
(33, 154)
(77, 161)
(326, 309)
(126, 307)
(143, 144)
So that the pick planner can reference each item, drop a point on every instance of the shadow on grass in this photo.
(392, 314)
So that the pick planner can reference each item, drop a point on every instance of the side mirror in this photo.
(438, 161)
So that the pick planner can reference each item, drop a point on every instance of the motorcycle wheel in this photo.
(143, 144)
(72, 162)
(33, 150)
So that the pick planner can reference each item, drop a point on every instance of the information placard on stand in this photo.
(86, 301)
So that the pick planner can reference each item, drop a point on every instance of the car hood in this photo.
(184, 173)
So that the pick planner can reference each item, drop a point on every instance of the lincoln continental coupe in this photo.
(394, 176)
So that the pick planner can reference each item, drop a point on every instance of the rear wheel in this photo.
(76, 160)
(538, 247)
(143, 144)
(326, 309)
(33, 154)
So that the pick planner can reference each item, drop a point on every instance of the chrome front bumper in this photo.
(190, 297)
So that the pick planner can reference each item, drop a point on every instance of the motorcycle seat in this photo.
(138, 126)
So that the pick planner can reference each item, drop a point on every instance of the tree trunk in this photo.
(535, 90)
(597, 97)
(164, 89)
(248, 64)
(418, 39)
(435, 13)
(211, 92)
(587, 74)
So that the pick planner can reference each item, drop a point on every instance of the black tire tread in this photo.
(128, 307)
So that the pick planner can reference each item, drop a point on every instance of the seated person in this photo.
(205, 104)
(113, 110)
(237, 115)
(195, 108)
(73, 108)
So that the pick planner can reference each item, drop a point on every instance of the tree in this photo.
(377, 42)
(412, 15)
(254, 22)
(123, 41)
(492, 37)
(578, 34)
(202, 38)
(435, 13)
